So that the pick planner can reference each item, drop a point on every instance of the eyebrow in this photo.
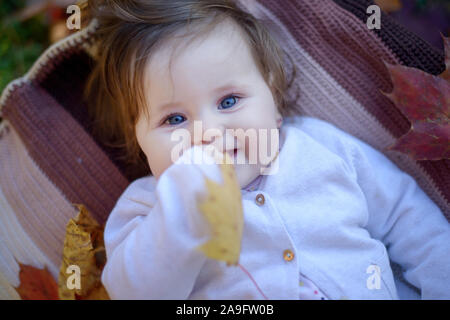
(226, 87)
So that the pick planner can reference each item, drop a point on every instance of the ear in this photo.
(278, 115)
(279, 118)
(271, 78)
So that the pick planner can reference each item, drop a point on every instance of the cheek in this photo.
(267, 110)
(160, 156)
(263, 113)
(263, 121)
(157, 148)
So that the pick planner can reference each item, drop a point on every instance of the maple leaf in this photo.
(83, 247)
(425, 100)
(222, 209)
(36, 284)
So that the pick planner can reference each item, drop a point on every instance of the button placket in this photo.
(263, 201)
(288, 254)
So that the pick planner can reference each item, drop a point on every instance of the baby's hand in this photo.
(204, 155)
(220, 204)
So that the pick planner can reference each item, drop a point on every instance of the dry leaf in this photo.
(425, 100)
(83, 247)
(222, 209)
(36, 284)
(389, 5)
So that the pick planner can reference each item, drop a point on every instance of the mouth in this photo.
(232, 153)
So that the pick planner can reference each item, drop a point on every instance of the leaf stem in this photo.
(253, 280)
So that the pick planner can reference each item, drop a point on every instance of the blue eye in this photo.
(228, 102)
(175, 119)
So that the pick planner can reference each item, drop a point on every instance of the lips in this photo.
(232, 152)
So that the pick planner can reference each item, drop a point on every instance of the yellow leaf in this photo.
(222, 209)
(83, 247)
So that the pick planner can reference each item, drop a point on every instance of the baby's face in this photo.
(213, 80)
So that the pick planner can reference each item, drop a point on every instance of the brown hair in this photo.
(130, 30)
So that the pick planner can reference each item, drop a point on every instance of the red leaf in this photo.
(36, 284)
(425, 100)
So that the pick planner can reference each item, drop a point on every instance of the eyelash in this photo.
(224, 98)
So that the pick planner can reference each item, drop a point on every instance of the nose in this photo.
(211, 129)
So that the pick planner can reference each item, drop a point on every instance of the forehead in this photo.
(220, 55)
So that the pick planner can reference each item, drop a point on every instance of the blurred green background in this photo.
(20, 42)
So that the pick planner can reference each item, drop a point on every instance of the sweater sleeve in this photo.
(412, 227)
(151, 236)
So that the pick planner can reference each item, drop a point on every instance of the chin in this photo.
(246, 173)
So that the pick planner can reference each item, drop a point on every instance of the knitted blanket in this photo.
(49, 159)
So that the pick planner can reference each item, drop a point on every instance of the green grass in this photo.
(21, 43)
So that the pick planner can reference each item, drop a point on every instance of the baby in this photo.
(323, 224)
